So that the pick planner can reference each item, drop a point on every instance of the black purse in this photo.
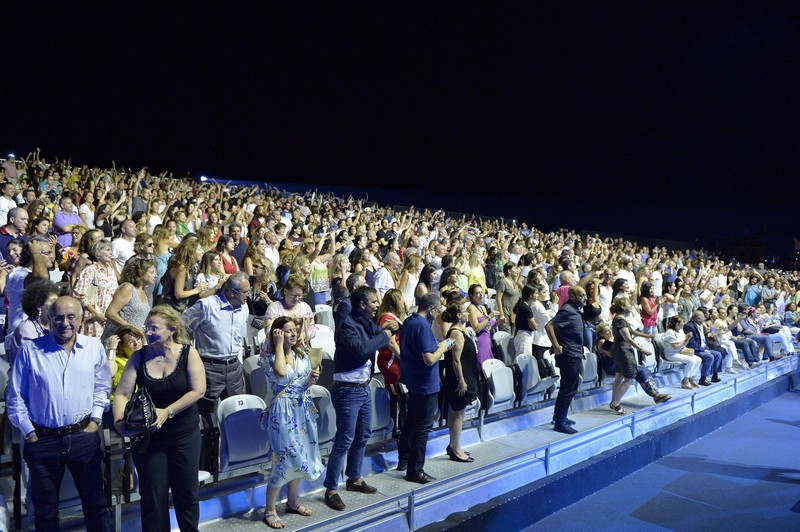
(140, 413)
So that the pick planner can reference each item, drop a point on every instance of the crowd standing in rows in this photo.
(145, 255)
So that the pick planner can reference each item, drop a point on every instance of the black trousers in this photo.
(570, 378)
(166, 464)
(418, 423)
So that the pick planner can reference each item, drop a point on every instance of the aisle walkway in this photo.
(744, 476)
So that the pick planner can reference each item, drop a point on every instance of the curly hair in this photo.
(35, 296)
(135, 269)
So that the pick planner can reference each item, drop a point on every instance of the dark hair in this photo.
(361, 295)
(425, 276)
(472, 288)
(446, 273)
(451, 312)
(617, 287)
(673, 321)
(646, 290)
(35, 295)
(527, 292)
(223, 241)
(447, 260)
(507, 267)
(351, 281)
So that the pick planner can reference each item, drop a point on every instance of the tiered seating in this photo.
(531, 387)
(500, 386)
(240, 450)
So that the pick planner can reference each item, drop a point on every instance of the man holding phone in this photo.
(419, 371)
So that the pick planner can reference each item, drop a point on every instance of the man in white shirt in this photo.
(657, 279)
(626, 272)
(7, 201)
(386, 277)
(604, 297)
(122, 247)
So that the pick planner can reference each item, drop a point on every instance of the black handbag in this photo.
(140, 413)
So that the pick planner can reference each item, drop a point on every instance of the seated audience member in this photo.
(675, 350)
(712, 358)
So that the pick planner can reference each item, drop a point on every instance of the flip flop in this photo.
(273, 521)
(300, 510)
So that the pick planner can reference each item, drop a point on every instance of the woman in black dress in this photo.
(173, 374)
(461, 375)
(623, 351)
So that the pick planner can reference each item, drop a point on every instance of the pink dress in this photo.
(484, 342)
(96, 283)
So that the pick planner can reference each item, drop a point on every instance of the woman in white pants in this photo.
(674, 340)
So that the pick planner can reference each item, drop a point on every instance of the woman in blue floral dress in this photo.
(290, 419)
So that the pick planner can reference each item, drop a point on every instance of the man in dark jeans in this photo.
(419, 371)
(565, 331)
(357, 339)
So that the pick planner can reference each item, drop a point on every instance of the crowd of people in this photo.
(116, 272)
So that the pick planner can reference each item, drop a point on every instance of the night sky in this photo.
(660, 119)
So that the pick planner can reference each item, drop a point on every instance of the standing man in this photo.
(235, 230)
(15, 228)
(419, 371)
(712, 358)
(122, 247)
(565, 331)
(59, 388)
(357, 339)
(219, 325)
(386, 277)
(7, 201)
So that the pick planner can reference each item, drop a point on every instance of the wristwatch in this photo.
(170, 412)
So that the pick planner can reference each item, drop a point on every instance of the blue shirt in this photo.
(568, 326)
(54, 390)
(218, 327)
(416, 338)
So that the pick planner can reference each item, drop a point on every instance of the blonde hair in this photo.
(172, 319)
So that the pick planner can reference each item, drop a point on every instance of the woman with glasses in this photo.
(293, 306)
(173, 374)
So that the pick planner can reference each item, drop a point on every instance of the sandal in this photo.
(273, 521)
(618, 409)
(300, 510)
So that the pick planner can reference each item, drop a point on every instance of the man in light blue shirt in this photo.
(218, 324)
(59, 388)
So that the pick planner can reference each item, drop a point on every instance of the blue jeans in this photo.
(46, 459)
(353, 428)
(712, 362)
(762, 341)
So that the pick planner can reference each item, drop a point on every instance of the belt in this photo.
(351, 384)
(225, 361)
(62, 431)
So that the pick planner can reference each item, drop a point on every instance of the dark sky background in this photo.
(659, 119)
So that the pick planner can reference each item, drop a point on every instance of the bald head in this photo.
(65, 318)
(577, 294)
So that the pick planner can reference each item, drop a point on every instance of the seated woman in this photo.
(747, 325)
(290, 420)
(675, 350)
(772, 326)
(125, 341)
(720, 332)
(605, 339)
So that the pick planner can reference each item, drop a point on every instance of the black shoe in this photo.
(564, 429)
(449, 451)
(455, 458)
(361, 488)
(704, 382)
(569, 422)
(420, 478)
(716, 378)
(402, 465)
(334, 502)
